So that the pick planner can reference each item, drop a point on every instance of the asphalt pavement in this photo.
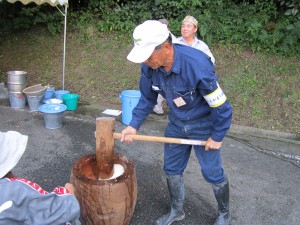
(263, 167)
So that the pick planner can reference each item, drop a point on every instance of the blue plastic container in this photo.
(130, 99)
(53, 114)
(60, 93)
(49, 94)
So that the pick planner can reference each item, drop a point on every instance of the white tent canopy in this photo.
(39, 2)
(63, 3)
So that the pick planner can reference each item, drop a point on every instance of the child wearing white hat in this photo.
(25, 202)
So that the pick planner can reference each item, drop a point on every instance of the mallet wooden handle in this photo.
(162, 139)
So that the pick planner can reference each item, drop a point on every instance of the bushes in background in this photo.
(262, 25)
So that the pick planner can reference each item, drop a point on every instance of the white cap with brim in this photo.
(12, 147)
(146, 37)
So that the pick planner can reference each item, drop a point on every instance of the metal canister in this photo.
(16, 81)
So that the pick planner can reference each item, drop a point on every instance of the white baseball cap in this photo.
(146, 37)
(12, 147)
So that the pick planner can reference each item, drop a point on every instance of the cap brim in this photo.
(140, 54)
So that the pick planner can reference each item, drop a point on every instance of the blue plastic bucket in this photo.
(49, 94)
(53, 114)
(130, 99)
(17, 100)
(34, 102)
(60, 93)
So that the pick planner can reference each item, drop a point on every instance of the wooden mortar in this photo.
(104, 201)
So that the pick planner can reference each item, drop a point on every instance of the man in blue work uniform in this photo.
(199, 109)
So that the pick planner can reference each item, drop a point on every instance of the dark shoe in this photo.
(176, 190)
(221, 192)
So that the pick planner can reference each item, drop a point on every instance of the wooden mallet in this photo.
(162, 139)
(105, 135)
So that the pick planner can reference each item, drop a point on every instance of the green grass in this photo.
(263, 89)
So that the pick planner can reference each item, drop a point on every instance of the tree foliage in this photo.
(262, 25)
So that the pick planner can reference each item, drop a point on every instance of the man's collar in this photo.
(176, 63)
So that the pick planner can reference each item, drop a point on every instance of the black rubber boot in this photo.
(221, 192)
(176, 190)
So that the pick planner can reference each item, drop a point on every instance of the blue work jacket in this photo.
(191, 91)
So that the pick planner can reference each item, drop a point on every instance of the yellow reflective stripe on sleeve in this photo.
(216, 98)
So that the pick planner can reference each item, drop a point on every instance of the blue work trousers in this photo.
(176, 156)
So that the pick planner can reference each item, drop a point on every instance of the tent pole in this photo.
(64, 50)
